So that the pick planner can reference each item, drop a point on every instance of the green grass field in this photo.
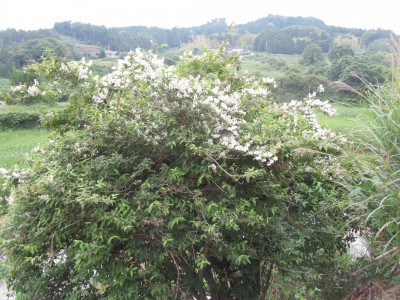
(35, 108)
(346, 120)
(269, 65)
(16, 144)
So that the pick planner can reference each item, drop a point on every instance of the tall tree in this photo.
(339, 52)
(312, 54)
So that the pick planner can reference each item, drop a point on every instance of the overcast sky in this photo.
(36, 14)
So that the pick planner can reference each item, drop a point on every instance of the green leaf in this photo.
(109, 241)
(242, 260)
(167, 240)
(393, 228)
(206, 176)
(175, 221)
(153, 205)
(355, 192)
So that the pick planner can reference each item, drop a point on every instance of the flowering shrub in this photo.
(173, 182)
(8, 180)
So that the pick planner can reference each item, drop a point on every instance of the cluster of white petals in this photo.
(156, 93)
(33, 90)
(305, 108)
(81, 68)
(18, 88)
(30, 91)
(8, 179)
(212, 104)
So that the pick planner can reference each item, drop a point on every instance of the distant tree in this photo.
(275, 41)
(355, 71)
(312, 55)
(101, 53)
(6, 63)
(375, 34)
(380, 45)
(339, 52)
(338, 67)
(281, 43)
(348, 40)
(274, 21)
(259, 42)
(11, 36)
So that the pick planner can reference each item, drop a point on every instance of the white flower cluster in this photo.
(138, 66)
(18, 88)
(31, 91)
(157, 93)
(213, 105)
(12, 175)
(7, 180)
(305, 108)
(259, 89)
(81, 68)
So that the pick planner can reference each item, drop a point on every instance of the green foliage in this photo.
(312, 55)
(19, 120)
(169, 183)
(6, 64)
(375, 34)
(20, 77)
(102, 53)
(355, 72)
(296, 85)
(380, 45)
(339, 52)
(32, 50)
(377, 185)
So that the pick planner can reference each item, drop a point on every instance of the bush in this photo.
(295, 86)
(182, 182)
(13, 120)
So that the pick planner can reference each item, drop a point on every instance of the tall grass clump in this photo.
(376, 195)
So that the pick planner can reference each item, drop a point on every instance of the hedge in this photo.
(19, 120)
